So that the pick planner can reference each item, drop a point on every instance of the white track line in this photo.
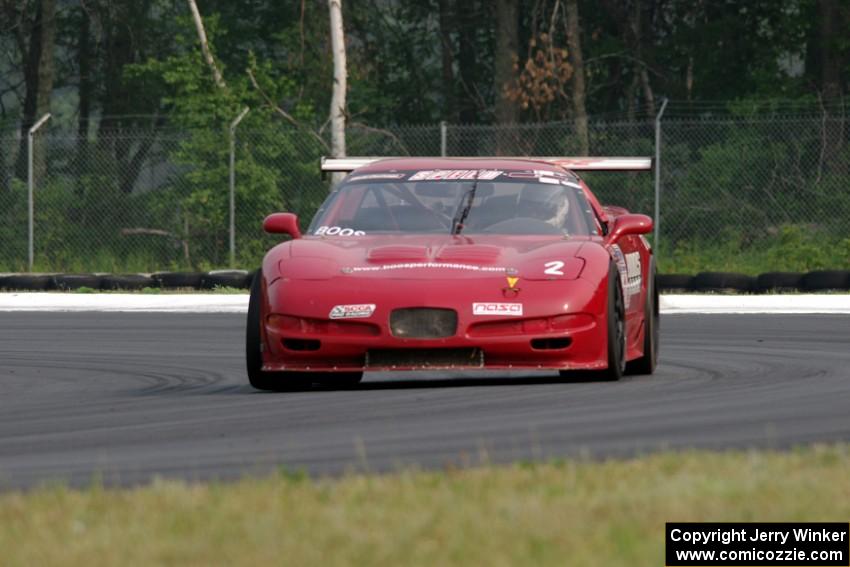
(791, 303)
(138, 302)
(217, 303)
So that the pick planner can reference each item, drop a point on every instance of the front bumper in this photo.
(560, 328)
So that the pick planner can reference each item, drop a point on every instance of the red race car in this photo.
(456, 263)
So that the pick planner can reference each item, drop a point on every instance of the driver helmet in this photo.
(547, 203)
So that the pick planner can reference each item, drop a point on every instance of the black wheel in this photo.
(674, 282)
(779, 281)
(646, 364)
(274, 381)
(723, 281)
(173, 280)
(29, 282)
(616, 328)
(616, 323)
(239, 279)
(67, 282)
(128, 281)
(821, 280)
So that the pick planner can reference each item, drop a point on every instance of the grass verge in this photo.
(572, 512)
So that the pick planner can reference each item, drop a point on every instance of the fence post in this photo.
(657, 219)
(443, 136)
(233, 126)
(30, 185)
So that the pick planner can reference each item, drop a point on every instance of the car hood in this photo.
(427, 257)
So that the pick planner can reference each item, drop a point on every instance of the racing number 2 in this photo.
(553, 268)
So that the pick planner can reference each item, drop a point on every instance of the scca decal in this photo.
(633, 268)
(358, 311)
(503, 309)
(630, 273)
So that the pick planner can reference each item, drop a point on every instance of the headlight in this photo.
(307, 268)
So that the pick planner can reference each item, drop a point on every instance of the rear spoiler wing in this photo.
(573, 163)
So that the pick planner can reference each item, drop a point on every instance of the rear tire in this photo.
(646, 364)
(273, 381)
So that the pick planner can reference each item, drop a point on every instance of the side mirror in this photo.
(282, 223)
(624, 225)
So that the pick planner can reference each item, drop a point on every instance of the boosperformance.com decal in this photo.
(425, 265)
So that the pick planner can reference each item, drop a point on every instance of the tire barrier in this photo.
(724, 282)
(127, 281)
(239, 279)
(71, 282)
(674, 282)
(28, 282)
(779, 281)
(823, 280)
(173, 280)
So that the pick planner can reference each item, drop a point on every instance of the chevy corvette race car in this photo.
(455, 263)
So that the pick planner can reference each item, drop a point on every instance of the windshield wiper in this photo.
(460, 217)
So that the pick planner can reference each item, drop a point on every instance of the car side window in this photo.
(592, 221)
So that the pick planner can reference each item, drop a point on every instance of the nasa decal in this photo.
(630, 274)
(498, 309)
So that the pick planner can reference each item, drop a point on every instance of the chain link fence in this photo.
(752, 193)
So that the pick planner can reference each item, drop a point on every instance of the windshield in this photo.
(455, 202)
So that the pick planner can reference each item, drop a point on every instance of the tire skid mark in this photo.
(139, 395)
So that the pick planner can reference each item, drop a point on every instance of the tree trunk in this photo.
(467, 62)
(638, 30)
(830, 59)
(85, 86)
(507, 40)
(205, 48)
(632, 28)
(831, 83)
(38, 78)
(339, 83)
(447, 54)
(117, 99)
(579, 91)
(84, 90)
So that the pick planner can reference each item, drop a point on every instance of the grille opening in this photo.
(423, 323)
(550, 344)
(426, 358)
(302, 344)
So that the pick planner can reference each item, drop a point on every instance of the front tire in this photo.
(647, 363)
(616, 320)
(273, 381)
(616, 344)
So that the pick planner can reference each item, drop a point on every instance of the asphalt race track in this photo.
(124, 397)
